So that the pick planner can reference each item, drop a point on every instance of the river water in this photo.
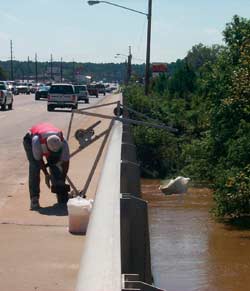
(190, 251)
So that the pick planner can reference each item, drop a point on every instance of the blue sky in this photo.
(73, 30)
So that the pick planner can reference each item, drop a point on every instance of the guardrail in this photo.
(101, 261)
(117, 252)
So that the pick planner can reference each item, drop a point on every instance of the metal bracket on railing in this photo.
(118, 112)
(131, 282)
(87, 136)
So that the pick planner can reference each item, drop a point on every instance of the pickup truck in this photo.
(23, 88)
(6, 96)
(62, 95)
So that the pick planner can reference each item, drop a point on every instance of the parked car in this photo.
(93, 90)
(82, 93)
(42, 92)
(62, 95)
(6, 96)
(101, 88)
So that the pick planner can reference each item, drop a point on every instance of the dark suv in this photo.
(42, 92)
(93, 90)
(101, 88)
(82, 93)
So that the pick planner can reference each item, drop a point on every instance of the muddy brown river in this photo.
(190, 251)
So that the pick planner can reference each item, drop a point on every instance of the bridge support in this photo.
(135, 246)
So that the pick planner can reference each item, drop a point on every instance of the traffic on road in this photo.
(58, 95)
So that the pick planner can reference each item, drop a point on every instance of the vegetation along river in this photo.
(189, 249)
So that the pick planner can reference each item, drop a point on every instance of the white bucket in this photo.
(79, 211)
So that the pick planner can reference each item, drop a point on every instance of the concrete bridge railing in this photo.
(100, 268)
(117, 252)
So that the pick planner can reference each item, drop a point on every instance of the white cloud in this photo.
(212, 32)
(10, 17)
(4, 36)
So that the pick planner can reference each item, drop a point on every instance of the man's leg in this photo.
(34, 172)
(58, 182)
(56, 175)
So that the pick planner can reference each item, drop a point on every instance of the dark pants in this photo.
(34, 170)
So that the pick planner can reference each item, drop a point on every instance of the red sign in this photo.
(159, 68)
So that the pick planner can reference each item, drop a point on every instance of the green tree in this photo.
(2, 74)
(236, 36)
(206, 96)
(200, 54)
(230, 120)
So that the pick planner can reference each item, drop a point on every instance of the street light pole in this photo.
(36, 68)
(147, 72)
(117, 5)
(128, 65)
(149, 16)
(129, 71)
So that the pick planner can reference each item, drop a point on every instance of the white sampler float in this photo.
(178, 185)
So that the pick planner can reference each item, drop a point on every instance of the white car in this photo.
(6, 96)
(62, 95)
(23, 88)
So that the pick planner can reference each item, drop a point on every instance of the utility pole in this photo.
(126, 71)
(36, 68)
(51, 67)
(129, 65)
(11, 62)
(61, 71)
(73, 71)
(28, 67)
(147, 72)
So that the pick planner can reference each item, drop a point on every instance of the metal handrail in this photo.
(100, 268)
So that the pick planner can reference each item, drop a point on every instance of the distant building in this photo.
(80, 78)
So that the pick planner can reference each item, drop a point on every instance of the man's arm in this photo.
(38, 154)
(65, 159)
(43, 167)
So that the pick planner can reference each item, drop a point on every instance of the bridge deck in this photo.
(37, 251)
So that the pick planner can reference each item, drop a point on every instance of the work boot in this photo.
(62, 198)
(34, 203)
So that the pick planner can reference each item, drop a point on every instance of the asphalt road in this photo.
(13, 126)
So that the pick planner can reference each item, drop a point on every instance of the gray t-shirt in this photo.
(38, 153)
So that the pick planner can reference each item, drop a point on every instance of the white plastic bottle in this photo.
(79, 211)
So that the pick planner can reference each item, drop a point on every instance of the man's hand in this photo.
(47, 180)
